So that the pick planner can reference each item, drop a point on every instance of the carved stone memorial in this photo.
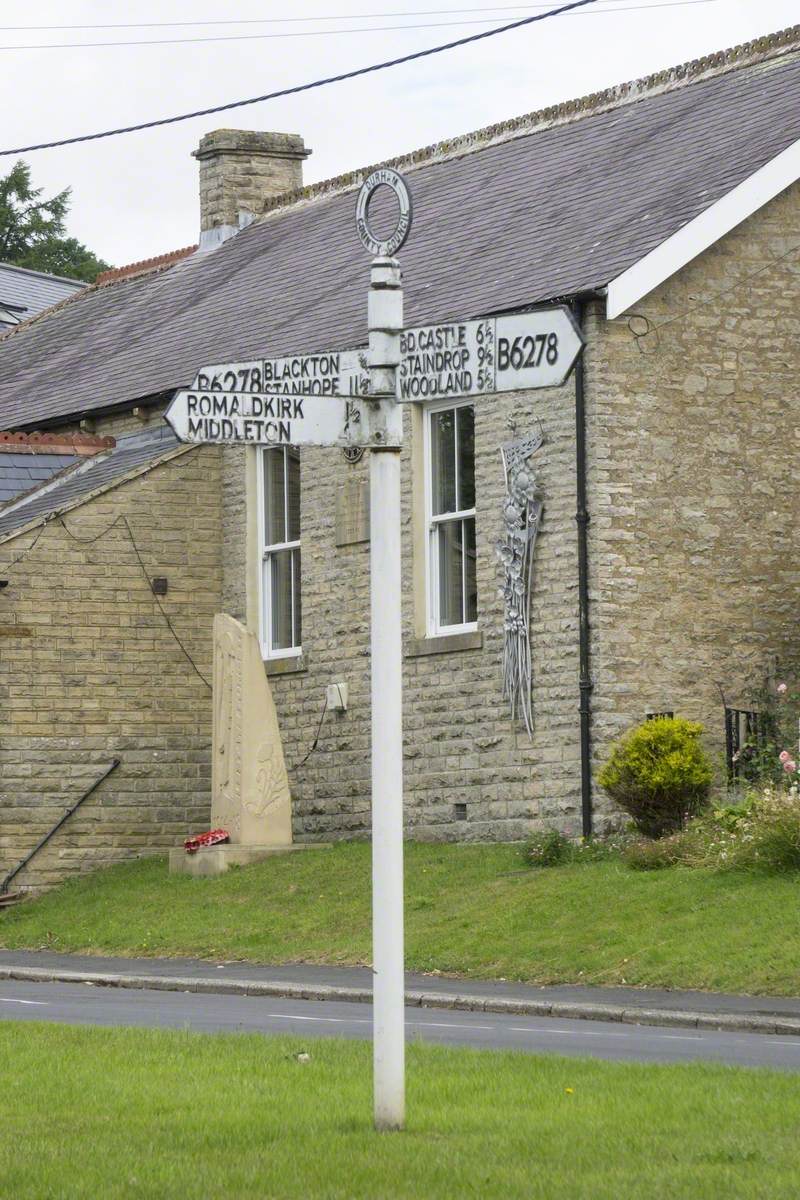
(249, 786)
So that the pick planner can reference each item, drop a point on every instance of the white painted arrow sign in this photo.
(524, 351)
(333, 373)
(266, 419)
(530, 350)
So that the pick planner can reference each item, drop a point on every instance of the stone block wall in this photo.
(89, 672)
(693, 452)
(461, 746)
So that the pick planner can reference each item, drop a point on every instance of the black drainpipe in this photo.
(582, 519)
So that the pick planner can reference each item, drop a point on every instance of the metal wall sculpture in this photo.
(522, 514)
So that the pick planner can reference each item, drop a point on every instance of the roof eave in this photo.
(699, 234)
(100, 410)
(78, 501)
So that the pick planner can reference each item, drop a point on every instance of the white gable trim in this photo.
(696, 236)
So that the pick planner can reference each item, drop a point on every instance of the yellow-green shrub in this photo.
(659, 774)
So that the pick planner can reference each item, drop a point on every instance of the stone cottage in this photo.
(666, 214)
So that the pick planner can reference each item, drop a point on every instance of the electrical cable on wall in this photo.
(699, 302)
(163, 611)
(315, 743)
(27, 549)
(88, 541)
(306, 87)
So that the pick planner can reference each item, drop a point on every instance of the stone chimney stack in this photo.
(239, 170)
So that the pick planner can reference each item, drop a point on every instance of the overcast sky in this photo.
(136, 196)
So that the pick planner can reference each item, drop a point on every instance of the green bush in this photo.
(647, 855)
(762, 833)
(769, 837)
(549, 849)
(659, 774)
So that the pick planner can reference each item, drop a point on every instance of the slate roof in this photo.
(557, 211)
(21, 472)
(32, 291)
(94, 474)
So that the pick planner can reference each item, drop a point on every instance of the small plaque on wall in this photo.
(352, 513)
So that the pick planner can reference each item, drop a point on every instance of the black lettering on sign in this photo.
(525, 352)
(278, 432)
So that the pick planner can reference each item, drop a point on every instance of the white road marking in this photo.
(330, 1020)
(674, 1037)
(365, 1021)
(563, 1032)
(7, 1000)
(450, 1025)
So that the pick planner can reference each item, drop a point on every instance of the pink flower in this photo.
(790, 766)
(781, 688)
(784, 756)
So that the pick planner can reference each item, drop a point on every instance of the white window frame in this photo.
(265, 552)
(434, 626)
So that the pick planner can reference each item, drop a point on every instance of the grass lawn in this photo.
(148, 1113)
(471, 910)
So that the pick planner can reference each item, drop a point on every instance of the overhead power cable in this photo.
(304, 87)
(308, 33)
(422, 12)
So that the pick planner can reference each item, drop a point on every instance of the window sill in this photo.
(291, 665)
(447, 644)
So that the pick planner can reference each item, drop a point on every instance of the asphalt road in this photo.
(83, 1004)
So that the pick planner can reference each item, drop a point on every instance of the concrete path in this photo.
(696, 1010)
(79, 1004)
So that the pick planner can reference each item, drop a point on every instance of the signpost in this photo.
(385, 321)
(337, 373)
(535, 349)
(349, 398)
(265, 419)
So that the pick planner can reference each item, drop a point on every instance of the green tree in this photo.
(32, 230)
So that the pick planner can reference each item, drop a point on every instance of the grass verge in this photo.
(162, 1115)
(472, 910)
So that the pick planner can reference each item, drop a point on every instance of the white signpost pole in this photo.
(385, 311)
(385, 324)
